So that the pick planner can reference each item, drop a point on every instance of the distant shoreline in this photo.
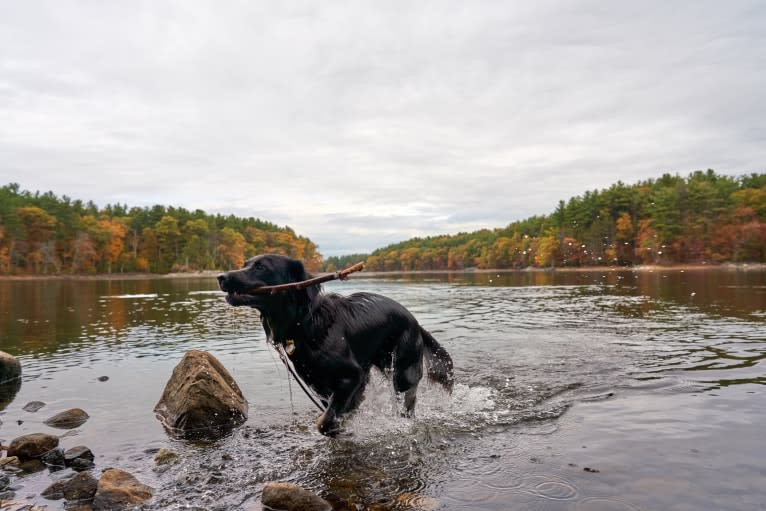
(211, 274)
(583, 269)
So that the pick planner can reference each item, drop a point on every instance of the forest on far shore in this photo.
(46, 234)
(702, 218)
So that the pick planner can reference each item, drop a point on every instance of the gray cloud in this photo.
(365, 123)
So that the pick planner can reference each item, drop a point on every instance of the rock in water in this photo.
(165, 456)
(54, 459)
(32, 446)
(79, 458)
(118, 489)
(68, 419)
(33, 406)
(10, 368)
(8, 391)
(83, 486)
(201, 399)
(291, 497)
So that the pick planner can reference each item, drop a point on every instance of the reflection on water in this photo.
(557, 372)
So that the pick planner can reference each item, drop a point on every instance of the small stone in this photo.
(9, 461)
(54, 491)
(54, 458)
(165, 456)
(19, 505)
(103, 378)
(79, 452)
(33, 406)
(32, 465)
(68, 419)
(291, 497)
(591, 470)
(32, 446)
(118, 489)
(81, 487)
(81, 464)
(5, 481)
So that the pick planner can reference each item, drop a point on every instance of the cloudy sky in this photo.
(363, 123)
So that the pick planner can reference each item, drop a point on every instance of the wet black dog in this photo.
(333, 341)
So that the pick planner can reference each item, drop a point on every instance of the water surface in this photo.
(593, 390)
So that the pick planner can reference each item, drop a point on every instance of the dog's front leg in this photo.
(345, 391)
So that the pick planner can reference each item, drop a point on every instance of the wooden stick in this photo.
(338, 275)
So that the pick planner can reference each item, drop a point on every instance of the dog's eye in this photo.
(257, 265)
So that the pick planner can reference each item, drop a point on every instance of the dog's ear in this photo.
(297, 271)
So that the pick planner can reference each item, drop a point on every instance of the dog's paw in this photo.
(328, 426)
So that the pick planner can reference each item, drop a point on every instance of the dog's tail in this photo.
(440, 368)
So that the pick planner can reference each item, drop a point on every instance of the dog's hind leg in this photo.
(408, 370)
(410, 397)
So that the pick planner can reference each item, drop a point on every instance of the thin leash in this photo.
(338, 275)
(289, 365)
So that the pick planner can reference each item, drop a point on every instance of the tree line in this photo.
(46, 234)
(704, 217)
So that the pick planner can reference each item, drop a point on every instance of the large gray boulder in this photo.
(201, 399)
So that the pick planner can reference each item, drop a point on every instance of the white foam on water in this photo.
(380, 413)
(145, 295)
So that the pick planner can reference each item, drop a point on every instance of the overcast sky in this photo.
(359, 123)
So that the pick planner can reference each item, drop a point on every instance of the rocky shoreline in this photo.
(201, 400)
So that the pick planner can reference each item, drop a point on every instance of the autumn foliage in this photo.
(45, 234)
(702, 218)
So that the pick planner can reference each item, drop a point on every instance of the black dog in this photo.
(333, 341)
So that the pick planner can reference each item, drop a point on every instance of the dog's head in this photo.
(259, 271)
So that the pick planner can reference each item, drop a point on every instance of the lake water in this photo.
(575, 391)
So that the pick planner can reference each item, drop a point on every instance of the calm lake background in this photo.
(575, 391)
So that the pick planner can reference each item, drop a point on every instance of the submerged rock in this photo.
(9, 461)
(10, 368)
(118, 489)
(54, 458)
(33, 406)
(68, 419)
(291, 497)
(165, 456)
(32, 446)
(201, 399)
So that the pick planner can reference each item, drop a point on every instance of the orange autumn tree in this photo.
(231, 249)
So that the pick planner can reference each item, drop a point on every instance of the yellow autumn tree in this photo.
(231, 249)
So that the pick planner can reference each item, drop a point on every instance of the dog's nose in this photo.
(221, 280)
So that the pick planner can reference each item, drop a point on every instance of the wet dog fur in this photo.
(335, 340)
